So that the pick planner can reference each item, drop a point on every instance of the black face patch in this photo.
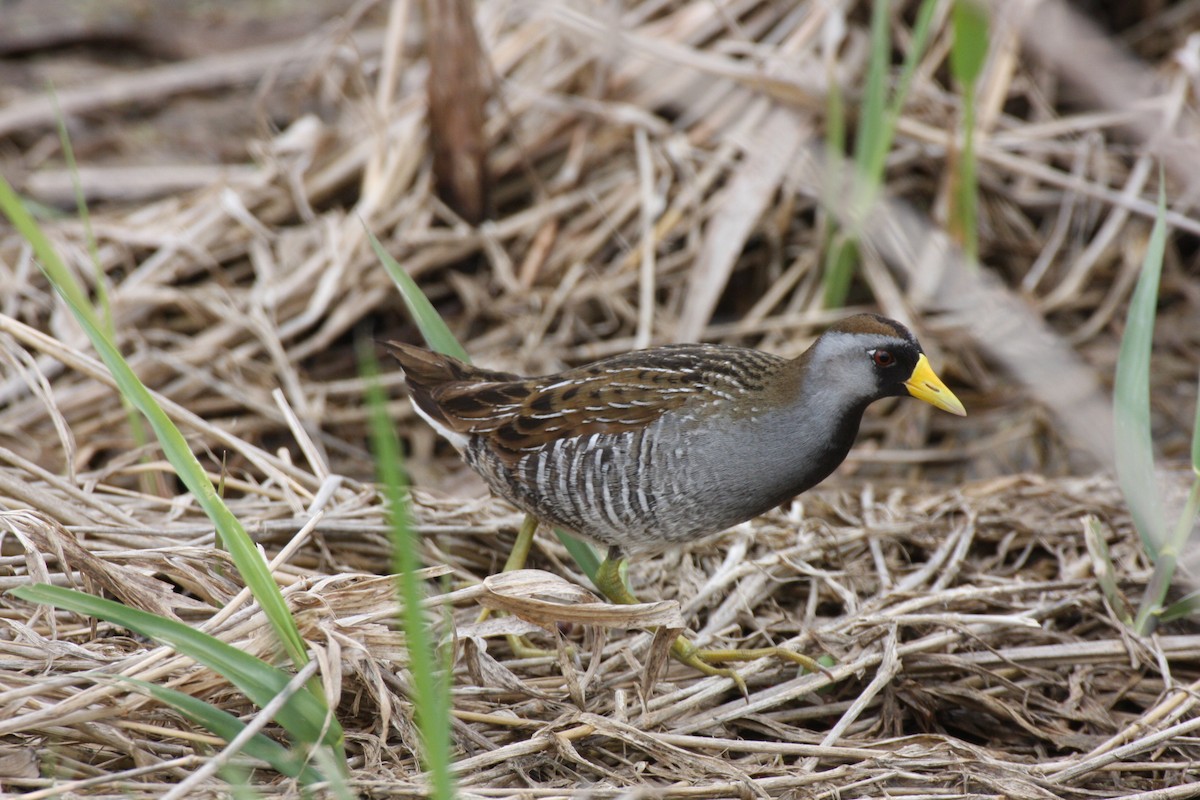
(892, 377)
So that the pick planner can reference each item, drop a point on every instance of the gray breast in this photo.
(674, 481)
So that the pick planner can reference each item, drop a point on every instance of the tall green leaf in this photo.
(245, 555)
(174, 445)
(871, 141)
(968, 52)
(877, 119)
(1131, 395)
(291, 763)
(967, 56)
(1196, 436)
(431, 695)
(305, 717)
(916, 48)
(433, 328)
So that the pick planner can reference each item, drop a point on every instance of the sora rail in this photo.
(659, 447)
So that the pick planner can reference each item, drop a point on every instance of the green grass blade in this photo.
(871, 142)
(1131, 396)
(963, 223)
(967, 56)
(835, 126)
(840, 259)
(969, 50)
(431, 693)
(1134, 444)
(876, 130)
(1186, 606)
(1196, 436)
(1151, 609)
(437, 334)
(916, 49)
(303, 716)
(241, 548)
(291, 763)
(584, 554)
(878, 116)
(1104, 569)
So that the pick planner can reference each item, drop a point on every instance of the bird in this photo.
(661, 447)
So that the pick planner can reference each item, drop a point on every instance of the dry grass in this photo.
(973, 652)
(654, 172)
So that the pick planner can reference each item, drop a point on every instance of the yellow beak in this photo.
(925, 385)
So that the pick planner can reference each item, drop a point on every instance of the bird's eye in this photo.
(882, 358)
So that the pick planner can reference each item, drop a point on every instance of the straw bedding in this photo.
(657, 171)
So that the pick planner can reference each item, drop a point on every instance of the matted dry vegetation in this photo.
(655, 168)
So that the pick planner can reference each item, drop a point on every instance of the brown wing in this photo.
(524, 416)
(609, 402)
(619, 394)
(431, 375)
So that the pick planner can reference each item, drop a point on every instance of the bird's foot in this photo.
(523, 648)
(520, 646)
(683, 651)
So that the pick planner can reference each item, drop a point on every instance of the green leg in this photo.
(516, 560)
(611, 583)
(520, 549)
(519, 553)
